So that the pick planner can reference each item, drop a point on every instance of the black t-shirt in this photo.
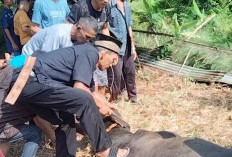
(66, 65)
(85, 8)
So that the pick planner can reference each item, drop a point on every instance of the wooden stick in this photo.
(21, 81)
(186, 58)
(191, 35)
(202, 25)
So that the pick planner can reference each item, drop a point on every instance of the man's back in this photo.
(67, 65)
(48, 39)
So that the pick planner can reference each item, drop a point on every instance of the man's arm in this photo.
(133, 43)
(15, 47)
(25, 23)
(3, 63)
(37, 16)
(104, 106)
(131, 35)
(35, 28)
(46, 127)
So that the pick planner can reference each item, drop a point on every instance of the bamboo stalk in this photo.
(195, 31)
(201, 26)
(186, 58)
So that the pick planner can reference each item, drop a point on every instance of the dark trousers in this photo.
(123, 74)
(47, 101)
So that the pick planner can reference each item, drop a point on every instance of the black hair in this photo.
(88, 22)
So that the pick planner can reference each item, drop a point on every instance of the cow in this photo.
(160, 144)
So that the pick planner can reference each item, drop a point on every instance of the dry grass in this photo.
(175, 104)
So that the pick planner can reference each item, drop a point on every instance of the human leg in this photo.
(129, 75)
(66, 143)
(32, 135)
(72, 101)
(46, 128)
(114, 77)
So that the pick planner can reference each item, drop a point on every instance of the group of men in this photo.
(72, 63)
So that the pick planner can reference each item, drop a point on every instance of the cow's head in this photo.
(115, 121)
(118, 130)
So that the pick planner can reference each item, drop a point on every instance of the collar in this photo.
(113, 2)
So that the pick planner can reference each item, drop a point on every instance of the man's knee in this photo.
(86, 103)
(86, 98)
(32, 133)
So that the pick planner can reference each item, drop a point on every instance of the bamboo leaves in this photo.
(197, 10)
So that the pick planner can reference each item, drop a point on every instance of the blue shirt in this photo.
(119, 23)
(7, 23)
(48, 12)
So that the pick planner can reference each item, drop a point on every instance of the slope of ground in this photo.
(174, 104)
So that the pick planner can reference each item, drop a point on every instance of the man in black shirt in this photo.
(100, 10)
(49, 90)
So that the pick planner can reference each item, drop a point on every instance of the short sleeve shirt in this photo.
(48, 12)
(50, 38)
(119, 23)
(21, 20)
(66, 65)
(7, 23)
(85, 8)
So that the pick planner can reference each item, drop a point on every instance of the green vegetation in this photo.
(180, 18)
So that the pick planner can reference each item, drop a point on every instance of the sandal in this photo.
(114, 152)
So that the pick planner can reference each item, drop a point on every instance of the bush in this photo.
(180, 18)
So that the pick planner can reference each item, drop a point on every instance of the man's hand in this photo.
(105, 110)
(35, 28)
(3, 63)
(135, 54)
(105, 107)
(15, 47)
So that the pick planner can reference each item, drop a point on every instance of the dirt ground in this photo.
(173, 104)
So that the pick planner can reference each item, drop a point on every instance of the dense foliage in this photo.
(180, 18)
